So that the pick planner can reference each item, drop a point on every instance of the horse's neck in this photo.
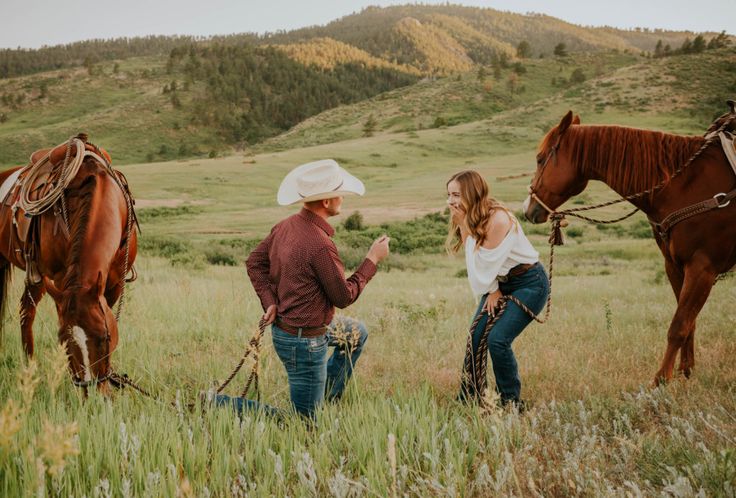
(94, 246)
(620, 165)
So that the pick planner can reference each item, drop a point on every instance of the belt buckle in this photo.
(502, 278)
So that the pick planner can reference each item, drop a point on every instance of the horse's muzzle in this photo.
(533, 211)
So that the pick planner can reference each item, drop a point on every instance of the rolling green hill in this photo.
(382, 70)
(680, 94)
(129, 108)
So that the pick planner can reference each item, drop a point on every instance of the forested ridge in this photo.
(256, 92)
(398, 34)
(161, 98)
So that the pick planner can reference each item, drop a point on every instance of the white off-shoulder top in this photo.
(484, 265)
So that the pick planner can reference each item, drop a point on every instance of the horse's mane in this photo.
(77, 231)
(629, 160)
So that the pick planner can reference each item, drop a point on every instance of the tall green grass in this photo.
(594, 427)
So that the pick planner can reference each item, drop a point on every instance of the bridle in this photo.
(80, 382)
(551, 154)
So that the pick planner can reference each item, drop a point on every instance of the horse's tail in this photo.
(5, 273)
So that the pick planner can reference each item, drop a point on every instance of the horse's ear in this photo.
(565, 123)
(100, 285)
(576, 119)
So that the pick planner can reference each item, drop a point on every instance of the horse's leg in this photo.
(32, 294)
(687, 352)
(696, 287)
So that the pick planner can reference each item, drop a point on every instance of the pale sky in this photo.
(33, 23)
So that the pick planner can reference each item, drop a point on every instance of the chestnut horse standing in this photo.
(82, 265)
(696, 248)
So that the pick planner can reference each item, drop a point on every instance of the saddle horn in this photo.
(84, 137)
(730, 103)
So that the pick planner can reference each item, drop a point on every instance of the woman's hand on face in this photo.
(492, 303)
(458, 213)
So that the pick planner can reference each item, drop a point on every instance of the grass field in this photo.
(595, 427)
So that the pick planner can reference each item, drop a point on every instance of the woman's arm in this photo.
(499, 225)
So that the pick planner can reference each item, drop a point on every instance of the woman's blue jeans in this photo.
(532, 289)
(312, 377)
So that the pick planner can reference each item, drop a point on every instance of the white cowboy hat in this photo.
(318, 180)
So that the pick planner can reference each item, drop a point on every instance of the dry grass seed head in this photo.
(10, 423)
(56, 443)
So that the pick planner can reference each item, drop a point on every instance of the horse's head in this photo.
(557, 178)
(90, 332)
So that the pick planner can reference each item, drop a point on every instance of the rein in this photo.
(719, 200)
(254, 347)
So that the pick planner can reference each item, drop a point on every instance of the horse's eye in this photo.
(540, 158)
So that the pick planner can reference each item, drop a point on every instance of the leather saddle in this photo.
(46, 166)
(45, 179)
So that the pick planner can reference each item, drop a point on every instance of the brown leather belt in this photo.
(301, 331)
(515, 272)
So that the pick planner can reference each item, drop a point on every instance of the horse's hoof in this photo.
(659, 380)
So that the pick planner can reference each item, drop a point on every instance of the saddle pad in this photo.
(728, 142)
(7, 185)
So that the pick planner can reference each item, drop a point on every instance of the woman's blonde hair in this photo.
(479, 207)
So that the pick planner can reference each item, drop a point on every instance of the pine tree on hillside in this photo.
(560, 50)
(523, 50)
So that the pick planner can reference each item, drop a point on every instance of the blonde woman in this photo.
(500, 261)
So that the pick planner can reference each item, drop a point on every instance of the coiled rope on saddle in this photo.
(59, 180)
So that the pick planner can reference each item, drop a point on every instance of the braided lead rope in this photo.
(129, 229)
(254, 346)
(475, 364)
(572, 211)
(473, 380)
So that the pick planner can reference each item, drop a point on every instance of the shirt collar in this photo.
(317, 220)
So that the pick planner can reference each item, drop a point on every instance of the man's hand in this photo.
(379, 249)
(270, 315)
(492, 303)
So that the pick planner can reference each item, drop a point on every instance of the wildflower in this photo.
(307, 474)
(392, 461)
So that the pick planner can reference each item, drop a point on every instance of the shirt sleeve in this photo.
(330, 271)
(490, 261)
(258, 265)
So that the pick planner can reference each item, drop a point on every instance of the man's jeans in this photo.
(531, 288)
(311, 378)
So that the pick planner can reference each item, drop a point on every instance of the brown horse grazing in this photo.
(697, 244)
(79, 250)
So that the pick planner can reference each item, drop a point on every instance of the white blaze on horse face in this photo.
(81, 339)
(527, 201)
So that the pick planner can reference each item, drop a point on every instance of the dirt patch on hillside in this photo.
(170, 203)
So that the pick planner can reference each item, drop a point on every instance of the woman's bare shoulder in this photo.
(498, 227)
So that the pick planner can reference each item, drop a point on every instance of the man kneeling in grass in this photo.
(299, 278)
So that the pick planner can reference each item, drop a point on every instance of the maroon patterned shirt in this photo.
(297, 268)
